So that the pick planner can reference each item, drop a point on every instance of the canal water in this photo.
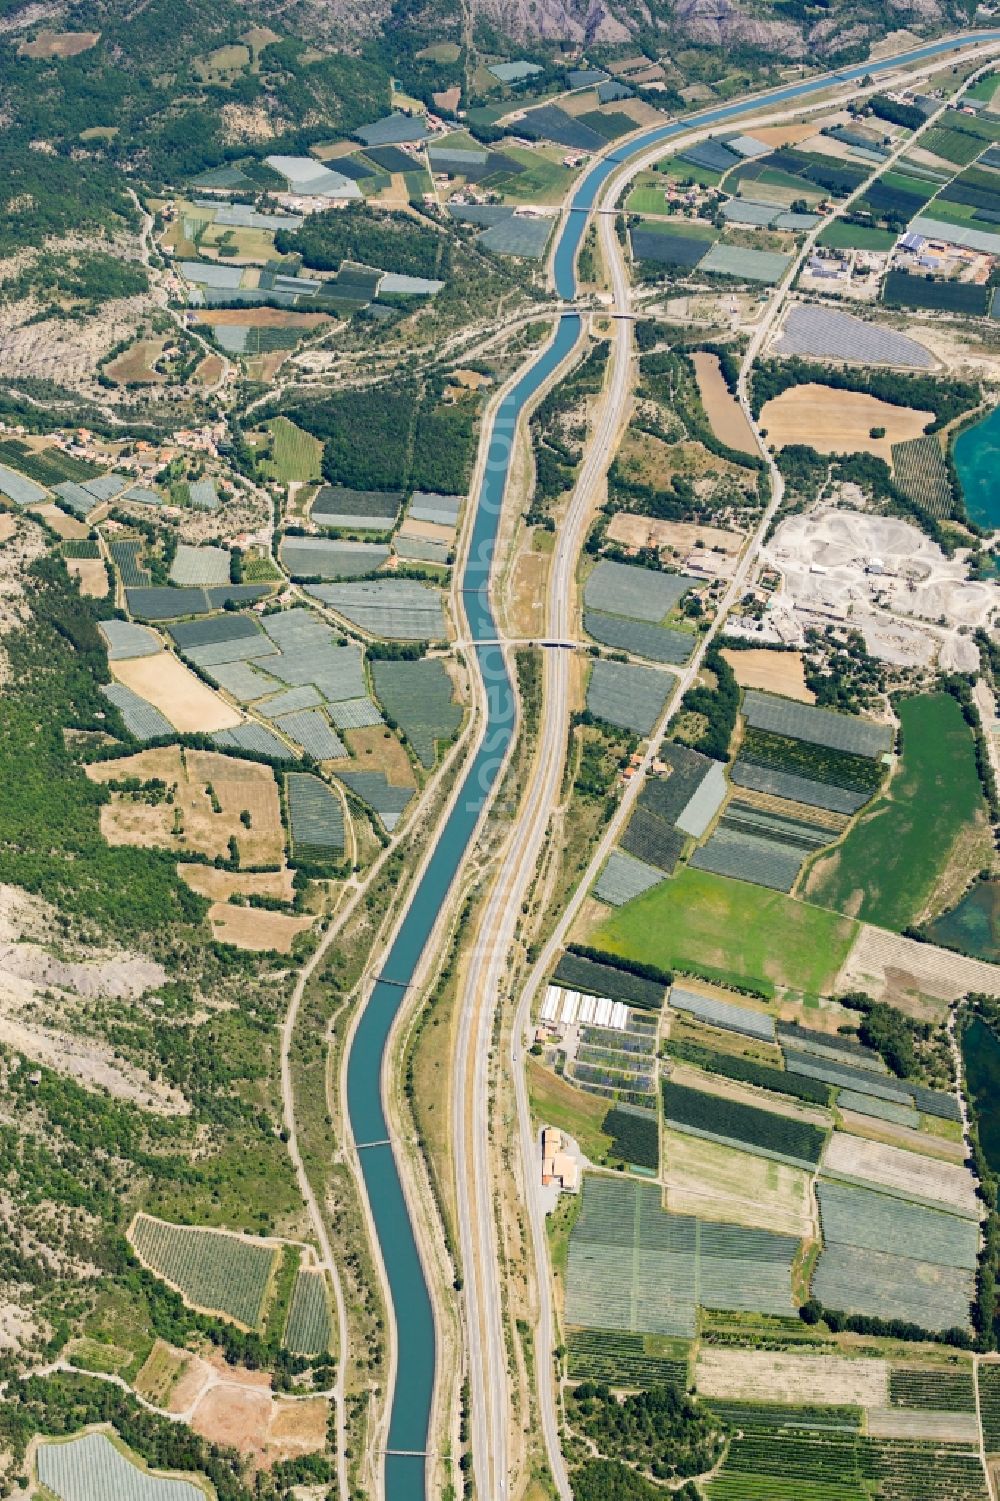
(977, 463)
(405, 1473)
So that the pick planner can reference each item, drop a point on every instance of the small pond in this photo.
(973, 926)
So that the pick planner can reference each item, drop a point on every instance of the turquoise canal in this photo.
(977, 463)
(981, 1055)
(405, 1467)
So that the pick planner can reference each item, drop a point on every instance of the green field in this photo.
(646, 201)
(843, 236)
(886, 869)
(731, 929)
(544, 180)
(295, 455)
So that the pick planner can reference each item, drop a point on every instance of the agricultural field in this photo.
(626, 1360)
(922, 474)
(293, 456)
(833, 421)
(634, 1267)
(308, 1328)
(716, 1181)
(420, 698)
(316, 815)
(222, 1274)
(888, 869)
(93, 1465)
(708, 925)
(781, 672)
(183, 699)
(728, 1121)
(190, 824)
(813, 1380)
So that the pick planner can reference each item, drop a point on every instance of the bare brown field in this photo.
(238, 785)
(839, 421)
(909, 1173)
(377, 749)
(92, 574)
(449, 99)
(429, 531)
(191, 705)
(772, 671)
(263, 317)
(135, 365)
(236, 1407)
(49, 44)
(785, 135)
(721, 1183)
(8, 526)
(255, 928)
(820, 1379)
(209, 370)
(220, 885)
(680, 536)
(64, 526)
(265, 367)
(722, 409)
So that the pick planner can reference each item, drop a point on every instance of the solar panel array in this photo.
(829, 334)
